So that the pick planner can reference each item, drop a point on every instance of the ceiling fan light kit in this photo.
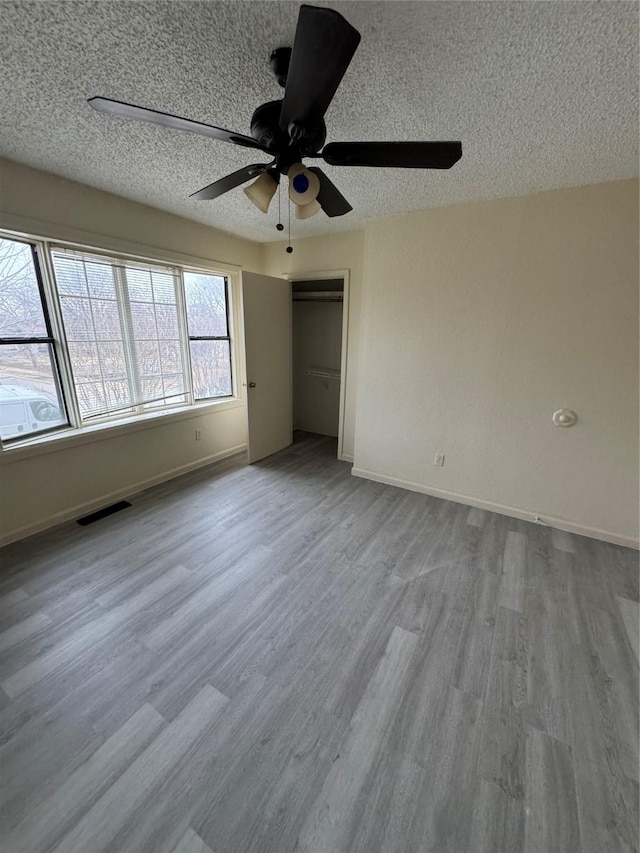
(261, 191)
(292, 128)
(304, 185)
(306, 211)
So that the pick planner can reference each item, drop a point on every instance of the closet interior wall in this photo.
(317, 347)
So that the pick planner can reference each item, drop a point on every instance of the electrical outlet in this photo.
(198, 435)
(439, 460)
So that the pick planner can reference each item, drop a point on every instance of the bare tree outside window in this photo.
(124, 333)
(132, 336)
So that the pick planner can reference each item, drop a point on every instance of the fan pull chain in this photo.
(289, 248)
(279, 226)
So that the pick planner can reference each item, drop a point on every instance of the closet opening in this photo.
(319, 327)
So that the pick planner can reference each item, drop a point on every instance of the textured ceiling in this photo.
(542, 95)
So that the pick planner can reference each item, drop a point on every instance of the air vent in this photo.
(102, 513)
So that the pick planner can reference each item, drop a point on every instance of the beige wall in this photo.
(322, 254)
(475, 324)
(60, 209)
(478, 322)
(39, 491)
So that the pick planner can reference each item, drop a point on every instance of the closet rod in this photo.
(317, 300)
(318, 296)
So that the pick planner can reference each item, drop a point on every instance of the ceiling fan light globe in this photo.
(261, 191)
(304, 185)
(306, 211)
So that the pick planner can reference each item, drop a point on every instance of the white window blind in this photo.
(124, 327)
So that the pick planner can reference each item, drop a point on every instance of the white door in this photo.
(266, 306)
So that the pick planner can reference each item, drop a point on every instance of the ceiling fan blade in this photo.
(403, 155)
(130, 111)
(230, 182)
(330, 198)
(322, 50)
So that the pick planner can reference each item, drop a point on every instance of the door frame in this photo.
(344, 354)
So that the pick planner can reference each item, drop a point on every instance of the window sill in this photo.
(74, 437)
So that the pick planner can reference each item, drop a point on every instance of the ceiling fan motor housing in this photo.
(265, 129)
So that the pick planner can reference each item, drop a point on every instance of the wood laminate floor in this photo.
(284, 657)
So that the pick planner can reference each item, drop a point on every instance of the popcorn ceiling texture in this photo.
(542, 95)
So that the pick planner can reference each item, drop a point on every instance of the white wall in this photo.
(478, 322)
(317, 339)
(322, 254)
(36, 492)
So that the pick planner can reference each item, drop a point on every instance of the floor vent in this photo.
(102, 513)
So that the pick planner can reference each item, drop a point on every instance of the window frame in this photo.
(123, 300)
(226, 337)
(77, 431)
(50, 339)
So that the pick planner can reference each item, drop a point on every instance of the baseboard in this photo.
(513, 512)
(126, 492)
(346, 457)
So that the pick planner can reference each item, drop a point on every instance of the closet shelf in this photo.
(324, 372)
(318, 296)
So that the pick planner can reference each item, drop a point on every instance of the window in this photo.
(123, 326)
(130, 337)
(30, 397)
(209, 341)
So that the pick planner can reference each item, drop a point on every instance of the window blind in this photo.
(124, 326)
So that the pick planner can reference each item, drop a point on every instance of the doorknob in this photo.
(249, 384)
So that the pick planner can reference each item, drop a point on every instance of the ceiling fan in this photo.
(292, 129)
